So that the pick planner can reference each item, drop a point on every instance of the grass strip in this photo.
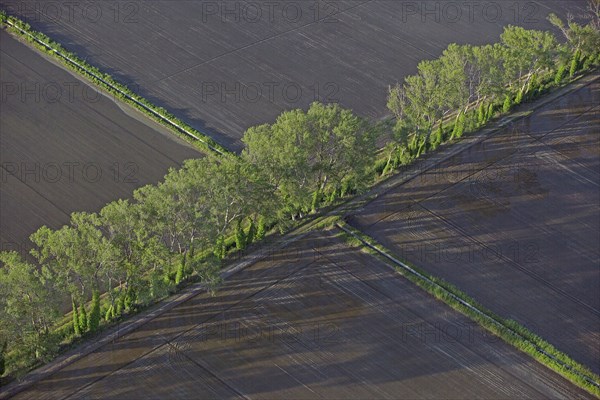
(508, 330)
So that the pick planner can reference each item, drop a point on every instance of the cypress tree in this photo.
(179, 275)
(436, 137)
(490, 112)
(333, 195)
(120, 305)
(250, 235)
(316, 200)
(560, 74)
(574, 63)
(481, 114)
(240, 242)
(83, 326)
(507, 104)
(94, 317)
(110, 313)
(76, 325)
(219, 250)
(519, 97)
(261, 230)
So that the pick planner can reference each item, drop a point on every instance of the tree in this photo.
(180, 274)
(29, 306)
(418, 104)
(94, 316)
(240, 240)
(83, 319)
(141, 261)
(527, 52)
(75, 314)
(507, 105)
(77, 254)
(261, 229)
(251, 233)
(581, 39)
(307, 152)
(481, 114)
(560, 74)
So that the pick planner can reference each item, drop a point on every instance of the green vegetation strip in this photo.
(105, 81)
(508, 330)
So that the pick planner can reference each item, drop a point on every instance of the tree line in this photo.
(132, 252)
(468, 85)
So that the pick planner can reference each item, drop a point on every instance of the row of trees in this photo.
(135, 251)
(462, 89)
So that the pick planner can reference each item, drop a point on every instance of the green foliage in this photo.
(490, 111)
(507, 105)
(110, 313)
(120, 308)
(316, 200)
(136, 250)
(251, 233)
(219, 249)
(519, 97)
(94, 316)
(180, 273)
(29, 305)
(83, 319)
(560, 74)
(459, 127)
(481, 114)
(527, 52)
(240, 239)
(437, 137)
(261, 229)
(75, 312)
(305, 152)
(574, 64)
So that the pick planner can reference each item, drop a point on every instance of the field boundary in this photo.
(106, 82)
(508, 330)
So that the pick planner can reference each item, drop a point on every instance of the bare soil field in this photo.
(314, 320)
(65, 147)
(223, 66)
(513, 221)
